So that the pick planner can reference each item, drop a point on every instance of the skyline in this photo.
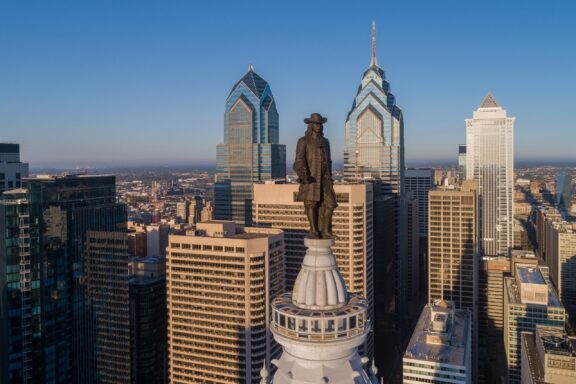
(113, 79)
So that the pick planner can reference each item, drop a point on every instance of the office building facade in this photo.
(548, 356)
(108, 304)
(528, 301)
(453, 247)
(220, 282)
(420, 181)
(561, 259)
(251, 151)
(149, 319)
(50, 216)
(490, 161)
(12, 170)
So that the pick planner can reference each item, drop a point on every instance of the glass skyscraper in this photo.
(250, 152)
(374, 132)
(43, 317)
(374, 151)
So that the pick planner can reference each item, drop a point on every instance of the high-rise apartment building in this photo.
(440, 350)
(220, 282)
(148, 319)
(561, 259)
(108, 305)
(414, 297)
(528, 301)
(452, 247)
(490, 161)
(12, 170)
(548, 356)
(251, 151)
(420, 181)
(276, 206)
(49, 219)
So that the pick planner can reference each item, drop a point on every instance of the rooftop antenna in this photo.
(373, 61)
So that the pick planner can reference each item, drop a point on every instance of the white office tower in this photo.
(490, 161)
(320, 325)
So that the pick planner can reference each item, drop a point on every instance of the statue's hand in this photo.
(307, 180)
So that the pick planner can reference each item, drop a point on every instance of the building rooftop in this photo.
(441, 335)
(530, 275)
(511, 287)
(549, 342)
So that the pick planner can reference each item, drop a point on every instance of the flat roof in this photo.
(453, 353)
(514, 294)
(530, 275)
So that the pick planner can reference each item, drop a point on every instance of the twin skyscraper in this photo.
(251, 152)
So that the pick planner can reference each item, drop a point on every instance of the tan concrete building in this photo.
(220, 282)
(490, 320)
(275, 206)
(453, 247)
(548, 356)
(528, 301)
(561, 259)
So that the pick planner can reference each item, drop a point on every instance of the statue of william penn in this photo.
(313, 166)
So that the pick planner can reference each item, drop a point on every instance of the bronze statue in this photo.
(313, 166)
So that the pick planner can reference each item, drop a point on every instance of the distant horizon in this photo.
(211, 165)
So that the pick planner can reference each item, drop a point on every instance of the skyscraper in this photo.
(220, 282)
(374, 150)
(12, 170)
(490, 161)
(49, 219)
(251, 151)
(374, 132)
(564, 191)
(452, 247)
(148, 318)
(108, 303)
(420, 181)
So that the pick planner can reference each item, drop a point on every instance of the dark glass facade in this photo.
(250, 152)
(48, 221)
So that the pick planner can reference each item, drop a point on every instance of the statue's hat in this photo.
(315, 118)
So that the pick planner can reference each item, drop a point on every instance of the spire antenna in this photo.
(373, 61)
(250, 68)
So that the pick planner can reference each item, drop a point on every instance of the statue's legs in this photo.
(312, 209)
(327, 207)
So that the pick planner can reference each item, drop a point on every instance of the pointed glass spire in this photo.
(489, 101)
(374, 61)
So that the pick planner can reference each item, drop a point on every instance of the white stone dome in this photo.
(319, 284)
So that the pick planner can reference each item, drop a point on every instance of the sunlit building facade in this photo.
(220, 282)
(251, 151)
(276, 206)
(490, 161)
(374, 132)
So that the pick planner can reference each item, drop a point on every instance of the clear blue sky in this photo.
(126, 82)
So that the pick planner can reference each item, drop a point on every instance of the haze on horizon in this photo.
(111, 84)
